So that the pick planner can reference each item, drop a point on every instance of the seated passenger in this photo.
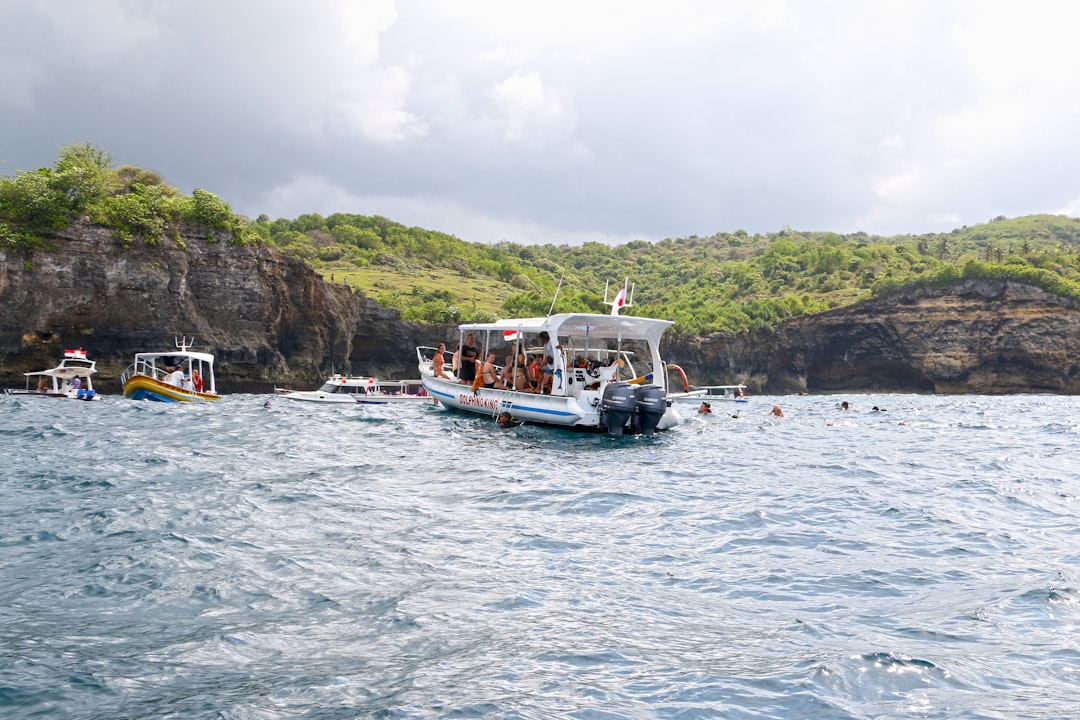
(520, 374)
(437, 362)
(506, 377)
(534, 374)
(546, 374)
(490, 374)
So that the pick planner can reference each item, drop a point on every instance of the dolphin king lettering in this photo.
(489, 403)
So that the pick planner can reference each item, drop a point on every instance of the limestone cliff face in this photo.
(268, 318)
(978, 336)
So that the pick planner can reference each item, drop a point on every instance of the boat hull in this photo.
(542, 409)
(314, 396)
(141, 387)
(570, 412)
(72, 395)
(696, 398)
(393, 399)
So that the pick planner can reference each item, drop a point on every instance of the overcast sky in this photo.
(566, 121)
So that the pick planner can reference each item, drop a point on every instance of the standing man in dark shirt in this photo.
(470, 359)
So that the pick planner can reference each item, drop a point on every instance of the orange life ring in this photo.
(685, 382)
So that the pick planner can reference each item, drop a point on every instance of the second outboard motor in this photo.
(617, 407)
(651, 404)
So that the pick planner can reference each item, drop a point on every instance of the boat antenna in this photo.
(552, 308)
(183, 343)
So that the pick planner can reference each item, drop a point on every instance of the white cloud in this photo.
(372, 104)
(528, 109)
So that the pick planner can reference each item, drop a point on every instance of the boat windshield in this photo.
(330, 387)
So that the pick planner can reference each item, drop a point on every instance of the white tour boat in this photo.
(70, 379)
(606, 372)
(361, 389)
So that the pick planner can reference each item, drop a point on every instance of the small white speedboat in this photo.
(696, 394)
(361, 389)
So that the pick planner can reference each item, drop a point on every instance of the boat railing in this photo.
(129, 371)
(140, 367)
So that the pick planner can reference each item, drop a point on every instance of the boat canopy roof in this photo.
(174, 357)
(580, 325)
(68, 368)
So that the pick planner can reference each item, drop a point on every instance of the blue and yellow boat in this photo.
(179, 375)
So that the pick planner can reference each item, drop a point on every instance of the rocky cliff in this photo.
(977, 336)
(270, 320)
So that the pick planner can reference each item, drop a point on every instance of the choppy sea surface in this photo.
(313, 561)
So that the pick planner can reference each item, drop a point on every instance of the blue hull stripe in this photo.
(502, 403)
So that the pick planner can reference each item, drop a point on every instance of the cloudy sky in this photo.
(565, 121)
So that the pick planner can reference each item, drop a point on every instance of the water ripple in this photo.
(232, 562)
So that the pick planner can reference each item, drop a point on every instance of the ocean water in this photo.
(233, 562)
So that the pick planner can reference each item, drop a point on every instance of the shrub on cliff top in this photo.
(130, 200)
(31, 201)
(143, 210)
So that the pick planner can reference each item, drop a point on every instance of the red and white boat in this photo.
(68, 380)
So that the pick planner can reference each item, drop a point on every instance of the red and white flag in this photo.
(620, 299)
(510, 335)
(80, 353)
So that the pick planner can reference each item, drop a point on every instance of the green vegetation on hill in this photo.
(726, 281)
(132, 201)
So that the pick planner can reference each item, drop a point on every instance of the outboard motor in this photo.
(617, 407)
(651, 404)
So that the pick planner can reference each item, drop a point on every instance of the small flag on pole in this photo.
(510, 335)
(620, 299)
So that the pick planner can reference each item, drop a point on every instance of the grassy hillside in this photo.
(725, 281)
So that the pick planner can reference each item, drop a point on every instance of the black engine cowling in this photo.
(650, 403)
(617, 407)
